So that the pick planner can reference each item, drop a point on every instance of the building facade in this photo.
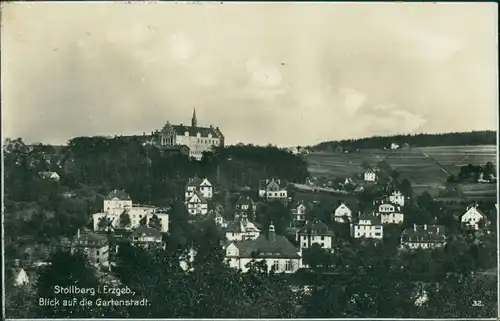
(299, 211)
(241, 229)
(197, 204)
(342, 214)
(397, 198)
(367, 226)
(315, 233)
(273, 189)
(473, 218)
(203, 186)
(147, 237)
(197, 139)
(370, 175)
(275, 250)
(423, 237)
(95, 246)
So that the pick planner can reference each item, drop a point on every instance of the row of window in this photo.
(276, 194)
(207, 141)
(288, 266)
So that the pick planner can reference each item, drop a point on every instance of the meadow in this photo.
(428, 168)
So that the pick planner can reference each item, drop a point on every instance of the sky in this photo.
(282, 73)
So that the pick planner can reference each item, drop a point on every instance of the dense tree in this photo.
(124, 220)
(155, 222)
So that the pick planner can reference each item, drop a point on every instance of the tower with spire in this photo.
(194, 122)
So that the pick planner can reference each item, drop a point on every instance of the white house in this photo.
(275, 250)
(244, 204)
(473, 218)
(387, 208)
(423, 237)
(299, 210)
(203, 186)
(197, 204)
(392, 218)
(315, 233)
(219, 220)
(370, 175)
(20, 277)
(118, 203)
(368, 226)
(394, 146)
(50, 175)
(273, 189)
(397, 198)
(241, 229)
(342, 214)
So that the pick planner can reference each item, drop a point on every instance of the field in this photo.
(427, 168)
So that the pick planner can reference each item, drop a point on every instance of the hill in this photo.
(486, 137)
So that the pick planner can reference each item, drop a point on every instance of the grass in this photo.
(427, 168)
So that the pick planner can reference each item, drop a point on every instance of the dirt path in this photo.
(437, 163)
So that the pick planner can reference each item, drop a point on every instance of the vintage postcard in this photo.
(240, 160)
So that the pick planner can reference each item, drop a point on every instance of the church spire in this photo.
(194, 122)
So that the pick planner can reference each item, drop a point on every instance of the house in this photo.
(394, 146)
(370, 175)
(50, 176)
(342, 214)
(219, 220)
(118, 203)
(397, 198)
(386, 207)
(203, 186)
(244, 204)
(197, 204)
(241, 229)
(197, 139)
(315, 233)
(367, 226)
(21, 277)
(299, 210)
(95, 246)
(273, 189)
(147, 237)
(275, 250)
(473, 218)
(391, 218)
(423, 237)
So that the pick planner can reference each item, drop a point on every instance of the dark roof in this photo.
(244, 200)
(235, 226)
(91, 240)
(146, 231)
(263, 247)
(263, 184)
(119, 194)
(424, 234)
(194, 182)
(297, 203)
(315, 228)
(373, 219)
(193, 131)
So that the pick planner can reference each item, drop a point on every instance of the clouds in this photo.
(282, 73)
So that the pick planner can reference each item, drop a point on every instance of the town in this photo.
(306, 233)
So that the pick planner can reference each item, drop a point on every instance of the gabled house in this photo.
(386, 207)
(50, 176)
(203, 186)
(367, 226)
(275, 250)
(241, 229)
(390, 213)
(299, 210)
(342, 214)
(197, 204)
(147, 237)
(370, 175)
(244, 204)
(397, 198)
(423, 237)
(219, 220)
(117, 201)
(21, 277)
(273, 189)
(96, 247)
(315, 233)
(473, 218)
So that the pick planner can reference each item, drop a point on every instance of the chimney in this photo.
(415, 227)
(272, 234)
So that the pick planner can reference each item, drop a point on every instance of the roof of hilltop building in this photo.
(371, 218)
(263, 246)
(316, 228)
(196, 181)
(146, 231)
(244, 200)
(425, 234)
(193, 131)
(119, 194)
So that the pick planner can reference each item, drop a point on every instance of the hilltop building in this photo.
(315, 233)
(473, 218)
(273, 189)
(203, 186)
(367, 226)
(197, 139)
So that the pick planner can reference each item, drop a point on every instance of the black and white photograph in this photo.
(249, 160)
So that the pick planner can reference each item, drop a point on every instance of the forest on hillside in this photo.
(487, 137)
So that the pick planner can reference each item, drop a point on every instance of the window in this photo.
(322, 238)
(97, 252)
(276, 265)
(97, 260)
(288, 265)
(304, 244)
